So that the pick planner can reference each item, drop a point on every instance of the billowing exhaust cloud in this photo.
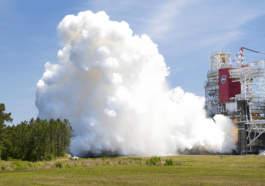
(110, 85)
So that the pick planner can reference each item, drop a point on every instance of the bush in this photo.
(3, 167)
(153, 160)
(45, 158)
(30, 164)
(20, 165)
(59, 164)
(148, 162)
(10, 159)
(67, 166)
(169, 162)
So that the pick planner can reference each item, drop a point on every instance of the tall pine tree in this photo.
(4, 117)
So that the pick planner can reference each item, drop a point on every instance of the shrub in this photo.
(153, 160)
(45, 157)
(59, 164)
(30, 164)
(119, 162)
(169, 162)
(20, 165)
(52, 157)
(67, 166)
(3, 167)
(10, 159)
(148, 162)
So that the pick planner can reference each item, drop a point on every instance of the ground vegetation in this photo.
(186, 170)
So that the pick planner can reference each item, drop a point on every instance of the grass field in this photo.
(187, 170)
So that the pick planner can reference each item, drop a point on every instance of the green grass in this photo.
(188, 170)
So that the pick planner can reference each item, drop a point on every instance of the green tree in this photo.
(35, 140)
(4, 117)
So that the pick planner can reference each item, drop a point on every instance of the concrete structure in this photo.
(240, 94)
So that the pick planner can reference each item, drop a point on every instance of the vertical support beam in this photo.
(242, 139)
(242, 105)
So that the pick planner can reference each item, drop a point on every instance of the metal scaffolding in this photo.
(252, 81)
(246, 109)
(256, 127)
(217, 61)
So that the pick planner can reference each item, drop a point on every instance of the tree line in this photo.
(35, 139)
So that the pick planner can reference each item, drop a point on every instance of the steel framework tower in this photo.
(217, 61)
(240, 94)
(252, 80)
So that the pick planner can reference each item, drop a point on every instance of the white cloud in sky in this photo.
(163, 20)
(186, 25)
(200, 23)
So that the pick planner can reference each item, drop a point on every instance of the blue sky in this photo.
(185, 32)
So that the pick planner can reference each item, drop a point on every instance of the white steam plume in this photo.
(111, 86)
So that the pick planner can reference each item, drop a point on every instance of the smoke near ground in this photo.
(111, 86)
